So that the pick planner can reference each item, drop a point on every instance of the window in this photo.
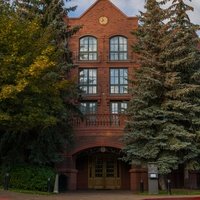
(118, 48)
(119, 81)
(88, 107)
(88, 81)
(118, 107)
(88, 48)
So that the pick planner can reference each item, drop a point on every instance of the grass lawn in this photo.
(176, 192)
(28, 191)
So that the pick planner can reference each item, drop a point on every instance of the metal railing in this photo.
(100, 121)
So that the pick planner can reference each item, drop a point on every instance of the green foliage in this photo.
(182, 91)
(35, 95)
(144, 140)
(28, 177)
(164, 113)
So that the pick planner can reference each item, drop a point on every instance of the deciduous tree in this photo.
(35, 95)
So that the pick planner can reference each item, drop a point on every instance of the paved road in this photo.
(80, 195)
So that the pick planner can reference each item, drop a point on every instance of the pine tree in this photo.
(163, 124)
(182, 95)
(144, 141)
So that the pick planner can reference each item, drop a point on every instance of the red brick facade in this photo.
(100, 138)
(118, 24)
(92, 137)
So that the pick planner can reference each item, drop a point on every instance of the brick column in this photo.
(67, 167)
(136, 175)
(72, 179)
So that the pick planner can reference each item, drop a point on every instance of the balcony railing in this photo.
(100, 121)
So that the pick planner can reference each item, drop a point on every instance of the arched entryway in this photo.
(102, 168)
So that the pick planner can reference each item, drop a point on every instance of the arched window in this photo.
(118, 48)
(88, 48)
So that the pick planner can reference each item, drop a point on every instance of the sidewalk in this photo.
(84, 195)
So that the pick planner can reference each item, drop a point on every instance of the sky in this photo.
(130, 7)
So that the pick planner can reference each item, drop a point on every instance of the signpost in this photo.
(152, 178)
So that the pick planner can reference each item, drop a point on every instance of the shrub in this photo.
(28, 177)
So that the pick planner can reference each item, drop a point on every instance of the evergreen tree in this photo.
(158, 130)
(182, 88)
(143, 138)
(35, 96)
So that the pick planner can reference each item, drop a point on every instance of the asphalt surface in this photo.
(88, 195)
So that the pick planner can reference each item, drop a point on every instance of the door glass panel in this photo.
(99, 167)
(110, 164)
(104, 172)
(118, 173)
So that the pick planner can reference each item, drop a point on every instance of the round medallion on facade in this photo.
(103, 20)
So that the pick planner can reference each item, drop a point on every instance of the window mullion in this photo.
(119, 83)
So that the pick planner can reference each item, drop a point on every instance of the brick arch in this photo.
(116, 35)
(89, 146)
(87, 35)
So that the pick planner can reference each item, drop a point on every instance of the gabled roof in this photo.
(97, 1)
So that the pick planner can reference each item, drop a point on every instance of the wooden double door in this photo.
(104, 172)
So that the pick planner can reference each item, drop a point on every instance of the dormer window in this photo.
(88, 48)
(118, 48)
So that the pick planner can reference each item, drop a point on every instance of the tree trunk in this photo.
(162, 182)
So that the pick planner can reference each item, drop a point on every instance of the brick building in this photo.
(102, 51)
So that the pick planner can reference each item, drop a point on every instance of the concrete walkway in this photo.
(81, 195)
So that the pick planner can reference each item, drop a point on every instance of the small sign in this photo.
(153, 175)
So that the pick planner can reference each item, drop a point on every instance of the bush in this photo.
(28, 177)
